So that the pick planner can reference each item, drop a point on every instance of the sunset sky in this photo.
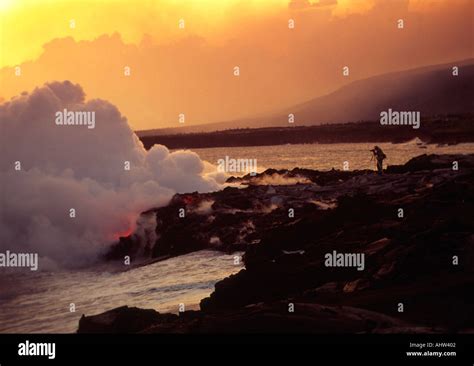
(190, 70)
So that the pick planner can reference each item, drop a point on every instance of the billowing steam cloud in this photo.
(73, 166)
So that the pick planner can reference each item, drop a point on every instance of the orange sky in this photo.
(190, 70)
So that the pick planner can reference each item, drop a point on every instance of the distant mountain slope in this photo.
(431, 90)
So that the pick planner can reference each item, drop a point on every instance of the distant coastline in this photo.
(450, 129)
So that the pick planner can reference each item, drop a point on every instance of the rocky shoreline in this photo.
(418, 262)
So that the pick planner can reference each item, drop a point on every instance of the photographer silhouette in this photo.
(379, 156)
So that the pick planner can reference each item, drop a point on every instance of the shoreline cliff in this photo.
(413, 225)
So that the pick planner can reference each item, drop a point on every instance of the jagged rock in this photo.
(122, 320)
(408, 259)
(255, 318)
(432, 162)
(356, 285)
(377, 246)
(329, 287)
(385, 270)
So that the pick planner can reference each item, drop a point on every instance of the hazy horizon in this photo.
(189, 70)
(282, 113)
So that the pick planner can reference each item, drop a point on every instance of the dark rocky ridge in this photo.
(408, 260)
(450, 129)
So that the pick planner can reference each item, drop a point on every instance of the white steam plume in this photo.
(72, 166)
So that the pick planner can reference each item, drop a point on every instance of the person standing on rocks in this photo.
(379, 156)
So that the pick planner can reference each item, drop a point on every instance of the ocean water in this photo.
(328, 156)
(39, 302)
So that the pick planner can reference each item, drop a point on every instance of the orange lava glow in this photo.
(124, 234)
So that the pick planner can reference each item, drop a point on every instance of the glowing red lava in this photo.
(188, 199)
(125, 233)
